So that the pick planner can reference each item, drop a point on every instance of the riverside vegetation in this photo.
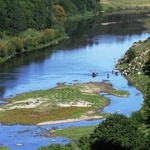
(125, 6)
(36, 24)
(117, 131)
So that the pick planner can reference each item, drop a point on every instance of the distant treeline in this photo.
(19, 15)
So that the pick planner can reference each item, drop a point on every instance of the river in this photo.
(90, 47)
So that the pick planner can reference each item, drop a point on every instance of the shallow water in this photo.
(92, 48)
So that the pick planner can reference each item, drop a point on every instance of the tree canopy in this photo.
(117, 132)
(19, 15)
(146, 68)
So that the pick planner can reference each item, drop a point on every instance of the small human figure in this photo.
(107, 75)
(116, 73)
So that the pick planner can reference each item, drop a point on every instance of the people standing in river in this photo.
(107, 75)
(115, 72)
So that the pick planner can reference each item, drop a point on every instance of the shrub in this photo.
(18, 43)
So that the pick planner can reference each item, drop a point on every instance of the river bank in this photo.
(133, 62)
(34, 40)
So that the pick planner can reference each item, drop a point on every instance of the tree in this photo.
(18, 43)
(3, 50)
(2, 15)
(117, 132)
(69, 7)
(80, 5)
(146, 106)
(49, 33)
(39, 14)
(49, 12)
(15, 16)
(59, 13)
(146, 68)
(131, 55)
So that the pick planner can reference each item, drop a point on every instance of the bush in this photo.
(131, 55)
(18, 43)
(3, 50)
(49, 33)
(117, 132)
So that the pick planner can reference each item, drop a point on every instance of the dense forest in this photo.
(25, 24)
(19, 15)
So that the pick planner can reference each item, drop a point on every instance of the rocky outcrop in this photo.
(135, 65)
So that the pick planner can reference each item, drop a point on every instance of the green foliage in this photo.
(70, 146)
(69, 7)
(117, 132)
(131, 55)
(75, 133)
(17, 16)
(49, 33)
(146, 68)
(59, 13)
(18, 44)
(80, 5)
(3, 50)
(2, 15)
(137, 117)
(11, 50)
(44, 19)
(146, 106)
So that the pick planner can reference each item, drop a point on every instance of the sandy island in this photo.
(28, 109)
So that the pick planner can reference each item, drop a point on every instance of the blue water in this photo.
(70, 64)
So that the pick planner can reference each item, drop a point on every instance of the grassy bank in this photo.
(131, 65)
(74, 133)
(32, 40)
(60, 103)
(29, 40)
(87, 15)
(121, 5)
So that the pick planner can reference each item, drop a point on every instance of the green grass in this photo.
(119, 93)
(114, 5)
(4, 148)
(139, 81)
(78, 17)
(66, 94)
(75, 133)
(47, 103)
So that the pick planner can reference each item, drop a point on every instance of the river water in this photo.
(90, 47)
